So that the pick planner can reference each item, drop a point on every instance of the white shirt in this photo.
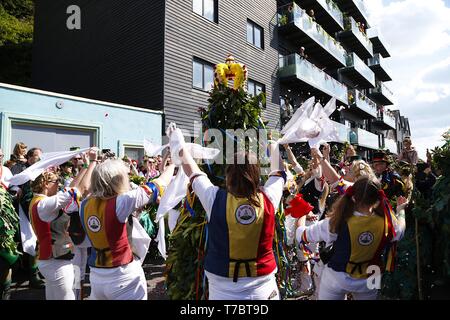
(5, 176)
(321, 231)
(48, 207)
(207, 192)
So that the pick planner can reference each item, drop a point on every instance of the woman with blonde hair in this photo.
(115, 270)
(356, 169)
(49, 218)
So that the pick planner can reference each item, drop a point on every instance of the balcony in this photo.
(366, 139)
(357, 71)
(295, 69)
(327, 13)
(381, 94)
(361, 105)
(385, 120)
(379, 44)
(355, 39)
(355, 8)
(342, 132)
(377, 65)
(390, 145)
(297, 26)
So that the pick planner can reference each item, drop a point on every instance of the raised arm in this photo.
(85, 183)
(327, 170)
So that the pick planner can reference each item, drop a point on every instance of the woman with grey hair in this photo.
(116, 273)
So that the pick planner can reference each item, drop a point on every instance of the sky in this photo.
(418, 33)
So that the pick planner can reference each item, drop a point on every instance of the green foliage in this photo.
(9, 225)
(433, 234)
(16, 36)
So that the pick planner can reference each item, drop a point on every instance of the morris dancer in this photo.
(50, 224)
(239, 262)
(115, 271)
(363, 227)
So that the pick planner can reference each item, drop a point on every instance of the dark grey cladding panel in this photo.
(189, 35)
(117, 55)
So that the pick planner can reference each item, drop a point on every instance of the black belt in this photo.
(101, 255)
(238, 264)
(358, 265)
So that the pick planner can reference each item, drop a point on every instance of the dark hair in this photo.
(31, 152)
(243, 179)
(365, 193)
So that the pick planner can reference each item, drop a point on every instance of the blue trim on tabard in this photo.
(343, 248)
(217, 256)
(93, 256)
(154, 189)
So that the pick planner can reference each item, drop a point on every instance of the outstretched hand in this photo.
(402, 202)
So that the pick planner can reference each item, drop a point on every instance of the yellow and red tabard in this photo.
(240, 237)
(109, 237)
(360, 243)
(53, 238)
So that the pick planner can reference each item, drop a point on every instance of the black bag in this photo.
(76, 230)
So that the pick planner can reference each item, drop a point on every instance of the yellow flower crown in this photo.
(230, 70)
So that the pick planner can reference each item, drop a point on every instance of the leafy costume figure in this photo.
(9, 225)
(228, 108)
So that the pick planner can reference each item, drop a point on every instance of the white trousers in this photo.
(121, 283)
(335, 285)
(59, 278)
(79, 264)
(267, 290)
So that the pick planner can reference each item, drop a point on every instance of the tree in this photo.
(16, 37)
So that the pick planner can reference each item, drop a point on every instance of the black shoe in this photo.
(36, 283)
(5, 292)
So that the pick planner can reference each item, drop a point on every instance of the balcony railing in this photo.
(378, 41)
(351, 25)
(362, 8)
(382, 93)
(295, 66)
(293, 14)
(387, 118)
(342, 132)
(353, 61)
(377, 64)
(391, 145)
(333, 10)
(356, 98)
(367, 139)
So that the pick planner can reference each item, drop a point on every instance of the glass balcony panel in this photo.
(294, 65)
(367, 139)
(343, 132)
(354, 61)
(292, 13)
(379, 60)
(362, 102)
(333, 10)
(361, 7)
(391, 145)
(350, 24)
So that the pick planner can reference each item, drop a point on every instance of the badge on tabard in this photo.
(245, 214)
(366, 238)
(94, 224)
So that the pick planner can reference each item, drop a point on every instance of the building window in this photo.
(255, 34)
(206, 8)
(202, 75)
(254, 88)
